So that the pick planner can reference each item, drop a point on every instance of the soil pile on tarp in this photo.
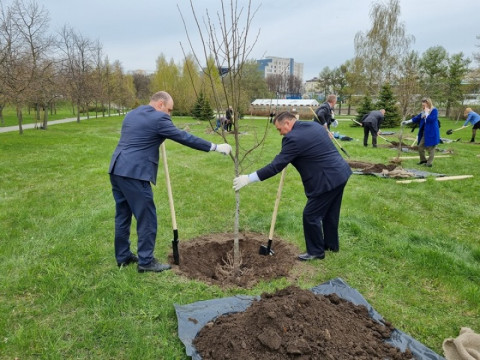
(297, 324)
(369, 168)
(209, 258)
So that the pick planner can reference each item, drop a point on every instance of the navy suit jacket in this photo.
(143, 131)
(311, 151)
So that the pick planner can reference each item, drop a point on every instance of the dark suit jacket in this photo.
(143, 131)
(311, 151)
(324, 114)
(375, 118)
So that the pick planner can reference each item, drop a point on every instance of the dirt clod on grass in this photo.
(297, 324)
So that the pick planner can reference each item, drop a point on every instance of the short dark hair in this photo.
(285, 115)
(161, 95)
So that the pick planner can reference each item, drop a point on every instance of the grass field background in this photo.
(411, 250)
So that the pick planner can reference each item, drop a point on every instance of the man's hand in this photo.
(224, 149)
(240, 182)
(405, 122)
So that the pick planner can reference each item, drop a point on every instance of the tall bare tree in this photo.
(408, 86)
(78, 64)
(227, 39)
(383, 46)
(15, 63)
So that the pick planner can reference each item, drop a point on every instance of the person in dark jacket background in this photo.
(371, 124)
(428, 131)
(134, 166)
(325, 112)
(324, 172)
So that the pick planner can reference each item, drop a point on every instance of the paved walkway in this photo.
(52, 122)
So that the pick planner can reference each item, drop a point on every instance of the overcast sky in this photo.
(317, 33)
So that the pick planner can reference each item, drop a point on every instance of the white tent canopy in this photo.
(285, 102)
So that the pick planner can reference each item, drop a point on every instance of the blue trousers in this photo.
(320, 221)
(134, 197)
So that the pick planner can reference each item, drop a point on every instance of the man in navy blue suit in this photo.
(134, 167)
(308, 147)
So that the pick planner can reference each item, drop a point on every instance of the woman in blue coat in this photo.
(428, 132)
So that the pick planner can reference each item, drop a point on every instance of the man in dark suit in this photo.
(134, 166)
(325, 112)
(308, 147)
(371, 124)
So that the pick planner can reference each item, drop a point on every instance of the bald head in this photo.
(162, 101)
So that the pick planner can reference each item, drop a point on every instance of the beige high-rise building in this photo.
(273, 65)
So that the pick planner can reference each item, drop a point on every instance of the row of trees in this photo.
(38, 68)
(383, 55)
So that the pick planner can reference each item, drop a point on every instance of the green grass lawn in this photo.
(412, 250)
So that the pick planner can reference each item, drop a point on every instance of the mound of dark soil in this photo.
(209, 258)
(369, 168)
(297, 324)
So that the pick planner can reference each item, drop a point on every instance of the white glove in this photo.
(224, 149)
(405, 122)
(240, 182)
(334, 123)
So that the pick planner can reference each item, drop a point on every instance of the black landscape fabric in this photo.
(193, 317)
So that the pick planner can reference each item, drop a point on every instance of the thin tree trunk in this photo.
(20, 120)
(45, 118)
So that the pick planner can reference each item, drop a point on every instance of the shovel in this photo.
(450, 131)
(380, 136)
(176, 257)
(267, 250)
(336, 142)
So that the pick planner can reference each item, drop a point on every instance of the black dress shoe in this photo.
(132, 259)
(422, 162)
(154, 266)
(307, 256)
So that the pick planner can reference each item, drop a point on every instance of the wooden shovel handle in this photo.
(169, 187)
(277, 202)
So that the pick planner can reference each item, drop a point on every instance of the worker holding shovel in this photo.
(472, 118)
(371, 124)
(324, 172)
(134, 167)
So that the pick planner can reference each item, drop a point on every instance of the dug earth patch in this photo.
(209, 258)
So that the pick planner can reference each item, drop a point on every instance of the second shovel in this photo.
(267, 250)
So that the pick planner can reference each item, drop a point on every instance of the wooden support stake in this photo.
(416, 157)
(440, 178)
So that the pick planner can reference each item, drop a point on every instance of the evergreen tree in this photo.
(366, 105)
(202, 109)
(387, 101)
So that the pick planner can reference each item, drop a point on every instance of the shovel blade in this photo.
(449, 132)
(176, 256)
(266, 250)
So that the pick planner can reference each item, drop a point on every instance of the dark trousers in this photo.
(368, 128)
(134, 197)
(320, 221)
